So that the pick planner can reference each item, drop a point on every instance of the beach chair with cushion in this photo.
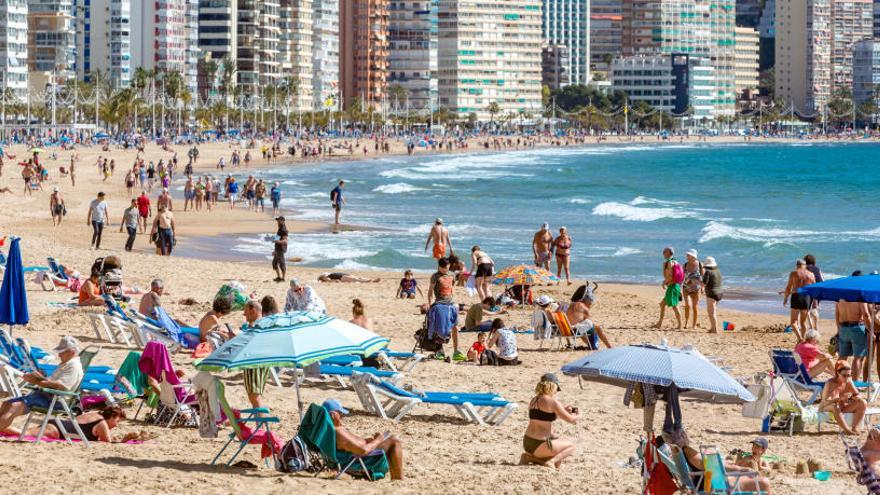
(150, 330)
(340, 373)
(389, 401)
(856, 461)
(10, 378)
(261, 433)
(187, 336)
(60, 407)
(54, 274)
(716, 477)
(398, 361)
(319, 434)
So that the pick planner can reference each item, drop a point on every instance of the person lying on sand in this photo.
(347, 441)
(345, 278)
(95, 425)
(539, 443)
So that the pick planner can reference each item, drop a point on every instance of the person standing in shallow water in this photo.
(673, 274)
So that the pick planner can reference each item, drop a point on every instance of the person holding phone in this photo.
(347, 441)
(541, 446)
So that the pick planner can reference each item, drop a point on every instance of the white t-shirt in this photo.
(506, 344)
(68, 374)
(99, 210)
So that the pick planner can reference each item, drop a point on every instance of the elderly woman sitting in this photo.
(812, 356)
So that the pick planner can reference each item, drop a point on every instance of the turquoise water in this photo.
(755, 208)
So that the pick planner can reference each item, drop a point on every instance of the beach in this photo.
(442, 452)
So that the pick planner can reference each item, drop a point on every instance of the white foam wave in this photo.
(632, 213)
(314, 195)
(579, 201)
(293, 182)
(397, 188)
(353, 265)
(719, 230)
(626, 251)
(642, 200)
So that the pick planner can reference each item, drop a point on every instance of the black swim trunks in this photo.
(484, 270)
(801, 301)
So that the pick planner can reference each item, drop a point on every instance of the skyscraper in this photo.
(296, 36)
(877, 18)
(866, 72)
(566, 23)
(13, 46)
(490, 52)
(412, 59)
(258, 40)
(51, 37)
(103, 40)
(746, 66)
(606, 25)
(159, 35)
(325, 53)
(363, 51)
(217, 40)
(851, 21)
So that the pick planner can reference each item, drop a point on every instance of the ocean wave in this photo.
(397, 188)
(353, 265)
(642, 200)
(632, 213)
(579, 201)
(719, 230)
(466, 167)
(626, 251)
(293, 182)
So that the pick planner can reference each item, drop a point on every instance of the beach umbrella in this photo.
(13, 298)
(295, 339)
(523, 275)
(36, 150)
(659, 365)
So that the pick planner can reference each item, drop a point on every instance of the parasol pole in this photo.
(871, 350)
(299, 402)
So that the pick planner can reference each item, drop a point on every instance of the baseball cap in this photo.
(761, 442)
(67, 343)
(332, 405)
(438, 221)
(550, 377)
(544, 300)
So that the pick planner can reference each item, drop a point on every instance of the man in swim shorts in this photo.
(337, 200)
(541, 243)
(440, 236)
(800, 303)
(852, 340)
(672, 296)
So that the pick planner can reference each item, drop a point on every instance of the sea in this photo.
(756, 208)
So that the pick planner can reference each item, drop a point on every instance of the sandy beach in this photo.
(442, 452)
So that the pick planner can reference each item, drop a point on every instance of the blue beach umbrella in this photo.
(659, 365)
(855, 289)
(13, 298)
(295, 339)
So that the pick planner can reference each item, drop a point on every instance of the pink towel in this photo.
(260, 439)
(155, 362)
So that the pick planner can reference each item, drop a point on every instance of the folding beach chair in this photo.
(716, 481)
(692, 481)
(60, 406)
(339, 373)
(173, 398)
(856, 461)
(480, 408)
(261, 433)
(788, 365)
(319, 434)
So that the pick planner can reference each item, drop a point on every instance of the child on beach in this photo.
(408, 286)
(473, 354)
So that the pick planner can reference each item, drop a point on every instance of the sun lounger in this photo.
(339, 373)
(386, 357)
(480, 408)
(787, 364)
(318, 433)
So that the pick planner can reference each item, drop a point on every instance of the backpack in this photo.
(677, 272)
(294, 457)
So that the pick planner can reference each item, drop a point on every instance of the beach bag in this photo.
(677, 272)
(294, 457)
(489, 358)
(235, 293)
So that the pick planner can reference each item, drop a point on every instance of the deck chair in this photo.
(480, 408)
(340, 373)
(54, 274)
(149, 330)
(171, 399)
(187, 336)
(258, 416)
(60, 406)
(10, 378)
(319, 434)
(400, 362)
(716, 481)
(856, 461)
(692, 481)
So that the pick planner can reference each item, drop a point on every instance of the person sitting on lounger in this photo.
(95, 425)
(539, 443)
(210, 323)
(347, 441)
(345, 278)
(66, 377)
(871, 450)
(578, 314)
(814, 359)
(90, 292)
(841, 396)
(753, 461)
(153, 299)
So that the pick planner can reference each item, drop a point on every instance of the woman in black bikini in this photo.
(95, 425)
(562, 246)
(540, 446)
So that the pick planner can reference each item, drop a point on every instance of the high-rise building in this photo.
(490, 52)
(51, 37)
(748, 12)
(767, 33)
(258, 40)
(13, 46)
(103, 40)
(296, 35)
(646, 78)
(606, 24)
(555, 66)
(325, 54)
(746, 61)
(193, 54)
(877, 18)
(566, 23)
(851, 21)
(159, 35)
(363, 51)
(866, 72)
(699, 28)
(217, 40)
(412, 58)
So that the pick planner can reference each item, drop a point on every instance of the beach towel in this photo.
(441, 319)
(189, 337)
(130, 375)
(32, 439)
(62, 304)
(260, 438)
(209, 405)
(471, 285)
(156, 363)
(542, 325)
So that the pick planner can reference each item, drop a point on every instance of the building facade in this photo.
(746, 61)
(877, 19)
(159, 36)
(490, 52)
(555, 66)
(851, 21)
(767, 33)
(566, 23)
(258, 55)
(748, 13)
(104, 42)
(217, 41)
(606, 25)
(325, 54)
(866, 72)
(363, 51)
(646, 78)
(13, 46)
(51, 37)
(412, 59)
(295, 45)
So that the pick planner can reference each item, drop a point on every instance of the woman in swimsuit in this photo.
(540, 446)
(692, 286)
(359, 317)
(95, 425)
(840, 396)
(483, 268)
(562, 245)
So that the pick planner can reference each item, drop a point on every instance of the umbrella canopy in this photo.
(523, 275)
(13, 298)
(659, 365)
(864, 288)
(36, 150)
(292, 339)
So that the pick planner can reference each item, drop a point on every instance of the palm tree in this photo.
(290, 87)
(494, 109)
(227, 82)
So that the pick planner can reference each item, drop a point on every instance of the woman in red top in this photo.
(812, 356)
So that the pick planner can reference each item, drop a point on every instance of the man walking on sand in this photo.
(673, 276)
(440, 236)
(541, 243)
(800, 303)
(337, 200)
(98, 217)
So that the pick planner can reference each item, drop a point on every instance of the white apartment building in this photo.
(159, 35)
(489, 51)
(13, 46)
(701, 90)
(191, 76)
(295, 46)
(325, 53)
(851, 21)
(259, 37)
(746, 63)
(412, 58)
(103, 39)
(51, 33)
(567, 23)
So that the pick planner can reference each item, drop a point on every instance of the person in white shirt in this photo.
(98, 217)
(66, 377)
(303, 298)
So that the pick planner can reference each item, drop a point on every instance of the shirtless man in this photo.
(541, 246)
(800, 303)
(578, 314)
(164, 201)
(189, 193)
(440, 236)
(56, 206)
(852, 340)
(347, 441)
